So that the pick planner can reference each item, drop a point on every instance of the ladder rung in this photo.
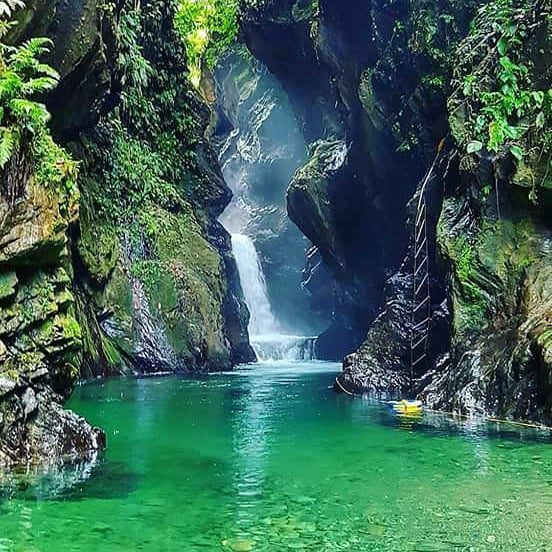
(420, 305)
(421, 247)
(421, 266)
(424, 280)
(419, 360)
(419, 232)
(421, 340)
(419, 215)
(420, 324)
(417, 333)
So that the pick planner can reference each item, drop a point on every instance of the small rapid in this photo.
(267, 339)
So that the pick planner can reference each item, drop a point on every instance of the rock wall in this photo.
(157, 282)
(260, 148)
(369, 141)
(125, 270)
(376, 87)
(40, 337)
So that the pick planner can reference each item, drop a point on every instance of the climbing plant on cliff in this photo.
(502, 103)
(22, 77)
(23, 118)
(208, 27)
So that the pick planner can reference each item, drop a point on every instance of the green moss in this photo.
(118, 295)
(98, 243)
(185, 283)
(147, 199)
(8, 283)
(55, 168)
(486, 266)
(508, 248)
(471, 305)
(111, 352)
(69, 327)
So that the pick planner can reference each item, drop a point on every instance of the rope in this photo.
(343, 388)
(465, 416)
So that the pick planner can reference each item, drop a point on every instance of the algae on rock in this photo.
(155, 262)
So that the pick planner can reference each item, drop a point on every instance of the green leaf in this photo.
(517, 152)
(502, 46)
(539, 122)
(8, 143)
(474, 146)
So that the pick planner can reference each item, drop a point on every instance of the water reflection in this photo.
(60, 482)
(445, 425)
(251, 430)
(269, 459)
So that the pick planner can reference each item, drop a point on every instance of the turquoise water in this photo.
(269, 458)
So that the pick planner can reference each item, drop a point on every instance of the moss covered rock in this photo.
(157, 286)
(40, 337)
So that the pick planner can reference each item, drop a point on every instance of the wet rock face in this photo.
(350, 197)
(40, 338)
(260, 148)
(133, 274)
(157, 288)
(501, 301)
(84, 36)
(375, 77)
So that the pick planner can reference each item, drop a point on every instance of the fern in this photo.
(9, 140)
(9, 7)
(32, 114)
(22, 77)
(38, 85)
(11, 85)
(25, 57)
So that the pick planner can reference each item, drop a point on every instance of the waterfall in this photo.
(262, 321)
(264, 331)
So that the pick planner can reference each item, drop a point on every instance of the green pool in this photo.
(268, 458)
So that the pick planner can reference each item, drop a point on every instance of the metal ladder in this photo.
(421, 298)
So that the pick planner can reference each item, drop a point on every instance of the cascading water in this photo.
(262, 321)
(264, 332)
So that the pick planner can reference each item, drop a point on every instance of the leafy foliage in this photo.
(143, 152)
(22, 78)
(135, 70)
(502, 98)
(416, 51)
(208, 28)
(24, 119)
(9, 7)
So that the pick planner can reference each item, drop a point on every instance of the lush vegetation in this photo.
(23, 118)
(502, 103)
(146, 193)
(208, 27)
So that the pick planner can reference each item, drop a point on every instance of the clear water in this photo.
(270, 459)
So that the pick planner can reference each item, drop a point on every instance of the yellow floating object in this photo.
(405, 406)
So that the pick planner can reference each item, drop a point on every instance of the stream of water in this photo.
(266, 338)
(269, 458)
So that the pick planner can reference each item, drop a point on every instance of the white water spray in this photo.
(253, 284)
(264, 332)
